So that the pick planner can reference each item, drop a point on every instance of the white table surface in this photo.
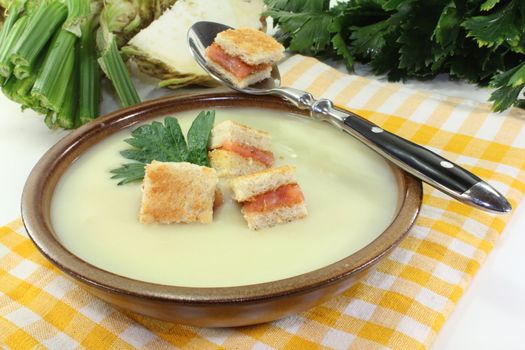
(490, 315)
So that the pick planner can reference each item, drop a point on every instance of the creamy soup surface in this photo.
(350, 194)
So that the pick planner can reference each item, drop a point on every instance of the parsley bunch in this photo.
(481, 41)
(165, 143)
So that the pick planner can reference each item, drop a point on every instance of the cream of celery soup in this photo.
(350, 193)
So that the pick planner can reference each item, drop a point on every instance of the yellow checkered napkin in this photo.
(401, 303)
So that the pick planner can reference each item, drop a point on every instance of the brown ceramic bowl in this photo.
(210, 307)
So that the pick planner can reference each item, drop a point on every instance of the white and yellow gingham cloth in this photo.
(401, 303)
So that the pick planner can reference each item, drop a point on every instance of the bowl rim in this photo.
(40, 185)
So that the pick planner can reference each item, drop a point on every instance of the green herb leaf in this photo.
(307, 19)
(518, 78)
(504, 78)
(504, 97)
(299, 5)
(509, 84)
(416, 44)
(129, 172)
(488, 5)
(448, 26)
(342, 50)
(494, 29)
(382, 62)
(370, 39)
(157, 141)
(473, 40)
(395, 4)
(164, 142)
(198, 136)
(307, 36)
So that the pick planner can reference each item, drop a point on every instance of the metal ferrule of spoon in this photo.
(424, 164)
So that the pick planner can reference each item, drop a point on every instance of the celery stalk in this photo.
(23, 91)
(7, 44)
(31, 6)
(66, 116)
(89, 99)
(51, 120)
(12, 13)
(9, 89)
(78, 13)
(41, 26)
(112, 64)
(19, 92)
(53, 77)
(25, 85)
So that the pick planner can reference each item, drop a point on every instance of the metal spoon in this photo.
(424, 164)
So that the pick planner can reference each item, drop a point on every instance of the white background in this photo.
(490, 315)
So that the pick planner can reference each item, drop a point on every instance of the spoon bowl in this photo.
(201, 35)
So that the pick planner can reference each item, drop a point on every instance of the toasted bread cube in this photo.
(283, 215)
(250, 45)
(236, 149)
(269, 197)
(178, 193)
(251, 52)
(228, 163)
(230, 131)
(247, 186)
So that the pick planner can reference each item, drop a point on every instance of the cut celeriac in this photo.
(161, 50)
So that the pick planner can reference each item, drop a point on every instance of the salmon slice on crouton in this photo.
(269, 197)
(236, 149)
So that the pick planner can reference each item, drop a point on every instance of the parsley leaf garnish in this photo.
(129, 172)
(198, 136)
(164, 142)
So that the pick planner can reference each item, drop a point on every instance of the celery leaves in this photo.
(496, 28)
(481, 41)
(509, 84)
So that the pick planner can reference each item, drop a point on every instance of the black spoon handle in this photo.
(419, 161)
(415, 157)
